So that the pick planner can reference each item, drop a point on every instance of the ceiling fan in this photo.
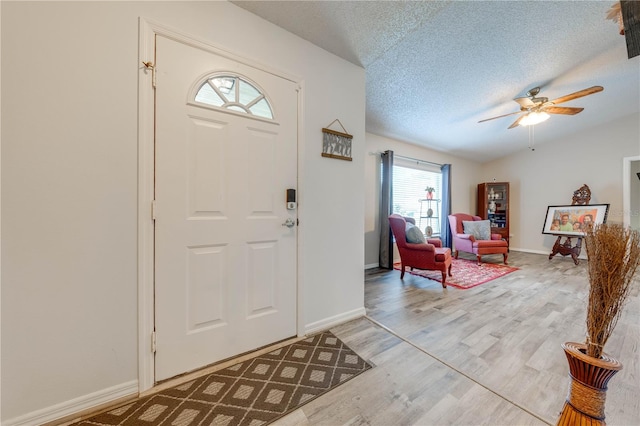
(535, 110)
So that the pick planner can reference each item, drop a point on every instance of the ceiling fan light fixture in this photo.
(534, 118)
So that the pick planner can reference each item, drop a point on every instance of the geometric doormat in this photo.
(253, 392)
(465, 273)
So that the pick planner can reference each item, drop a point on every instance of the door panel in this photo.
(206, 178)
(205, 291)
(225, 267)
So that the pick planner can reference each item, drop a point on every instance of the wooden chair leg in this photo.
(401, 270)
(505, 258)
(444, 279)
(456, 253)
(450, 271)
(479, 259)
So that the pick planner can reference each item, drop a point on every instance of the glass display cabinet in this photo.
(493, 204)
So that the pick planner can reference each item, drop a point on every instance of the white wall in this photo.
(463, 185)
(69, 187)
(550, 174)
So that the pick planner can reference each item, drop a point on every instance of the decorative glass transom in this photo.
(234, 93)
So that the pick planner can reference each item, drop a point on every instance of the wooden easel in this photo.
(582, 196)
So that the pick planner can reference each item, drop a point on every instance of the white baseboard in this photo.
(333, 321)
(74, 406)
(371, 266)
(528, 251)
(546, 253)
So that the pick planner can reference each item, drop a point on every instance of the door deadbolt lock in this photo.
(291, 199)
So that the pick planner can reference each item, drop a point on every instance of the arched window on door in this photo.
(234, 93)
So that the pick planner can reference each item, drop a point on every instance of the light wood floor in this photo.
(489, 355)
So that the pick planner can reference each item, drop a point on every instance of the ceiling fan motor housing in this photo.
(533, 92)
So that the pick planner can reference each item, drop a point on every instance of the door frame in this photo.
(148, 30)
(626, 189)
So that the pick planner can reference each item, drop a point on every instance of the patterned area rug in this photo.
(466, 273)
(254, 392)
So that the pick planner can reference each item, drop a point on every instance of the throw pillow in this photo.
(480, 229)
(414, 234)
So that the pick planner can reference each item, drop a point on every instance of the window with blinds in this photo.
(410, 180)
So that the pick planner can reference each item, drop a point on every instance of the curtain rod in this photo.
(410, 159)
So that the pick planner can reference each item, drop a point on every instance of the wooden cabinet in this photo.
(493, 204)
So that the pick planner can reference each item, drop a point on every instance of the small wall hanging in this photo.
(336, 144)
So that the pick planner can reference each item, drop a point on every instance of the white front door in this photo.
(225, 266)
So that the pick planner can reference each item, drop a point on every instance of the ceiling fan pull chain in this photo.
(532, 137)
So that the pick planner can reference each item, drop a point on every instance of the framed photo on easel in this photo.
(573, 220)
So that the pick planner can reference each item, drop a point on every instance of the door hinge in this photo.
(153, 210)
(153, 342)
(150, 66)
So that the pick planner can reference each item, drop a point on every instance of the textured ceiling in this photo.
(435, 68)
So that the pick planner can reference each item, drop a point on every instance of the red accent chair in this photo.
(430, 255)
(468, 243)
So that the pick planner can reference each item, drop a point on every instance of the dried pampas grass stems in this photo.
(614, 256)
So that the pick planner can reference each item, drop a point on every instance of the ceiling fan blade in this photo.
(500, 116)
(578, 94)
(563, 110)
(525, 102)
(517, 122)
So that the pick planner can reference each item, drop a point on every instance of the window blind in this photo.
(410, 180)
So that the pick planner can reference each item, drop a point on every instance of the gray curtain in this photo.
(446, 205)
(386, 208)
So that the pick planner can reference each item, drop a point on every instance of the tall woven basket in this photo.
(587, 390)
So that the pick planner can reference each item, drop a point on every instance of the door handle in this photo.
(289, 223)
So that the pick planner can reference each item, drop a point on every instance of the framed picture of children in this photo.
(574, 220)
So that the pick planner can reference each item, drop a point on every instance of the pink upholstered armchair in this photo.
(468, 243)
(430, 255)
